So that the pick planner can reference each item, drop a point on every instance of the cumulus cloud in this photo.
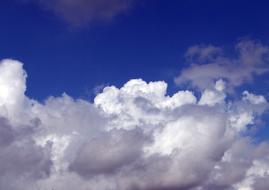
(136, 137)
(81, 12)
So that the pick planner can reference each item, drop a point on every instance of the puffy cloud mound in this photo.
(137, 137)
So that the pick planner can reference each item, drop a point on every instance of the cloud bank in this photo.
(137, 137)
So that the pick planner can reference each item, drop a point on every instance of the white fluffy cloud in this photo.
(135, 137)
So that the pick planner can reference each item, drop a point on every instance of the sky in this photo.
(134, 95)
(146, 41)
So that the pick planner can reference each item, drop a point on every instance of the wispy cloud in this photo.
(209, 63)
(82, 12)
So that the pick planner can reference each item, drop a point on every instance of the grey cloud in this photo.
(202, 52)
(239, 161)
(80, 12)
(108, 152)
(207, 65)
(21, 159)
(7, 135)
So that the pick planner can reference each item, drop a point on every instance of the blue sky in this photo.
(148, 42)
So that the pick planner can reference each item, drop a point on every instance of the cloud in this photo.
(108, 152)
(136, 137)
(80, 12)
(208, 64)
(22, 161)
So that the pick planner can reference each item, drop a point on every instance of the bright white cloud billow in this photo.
(137, 137)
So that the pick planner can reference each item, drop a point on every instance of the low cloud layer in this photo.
(81, 12)
(137, 137)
